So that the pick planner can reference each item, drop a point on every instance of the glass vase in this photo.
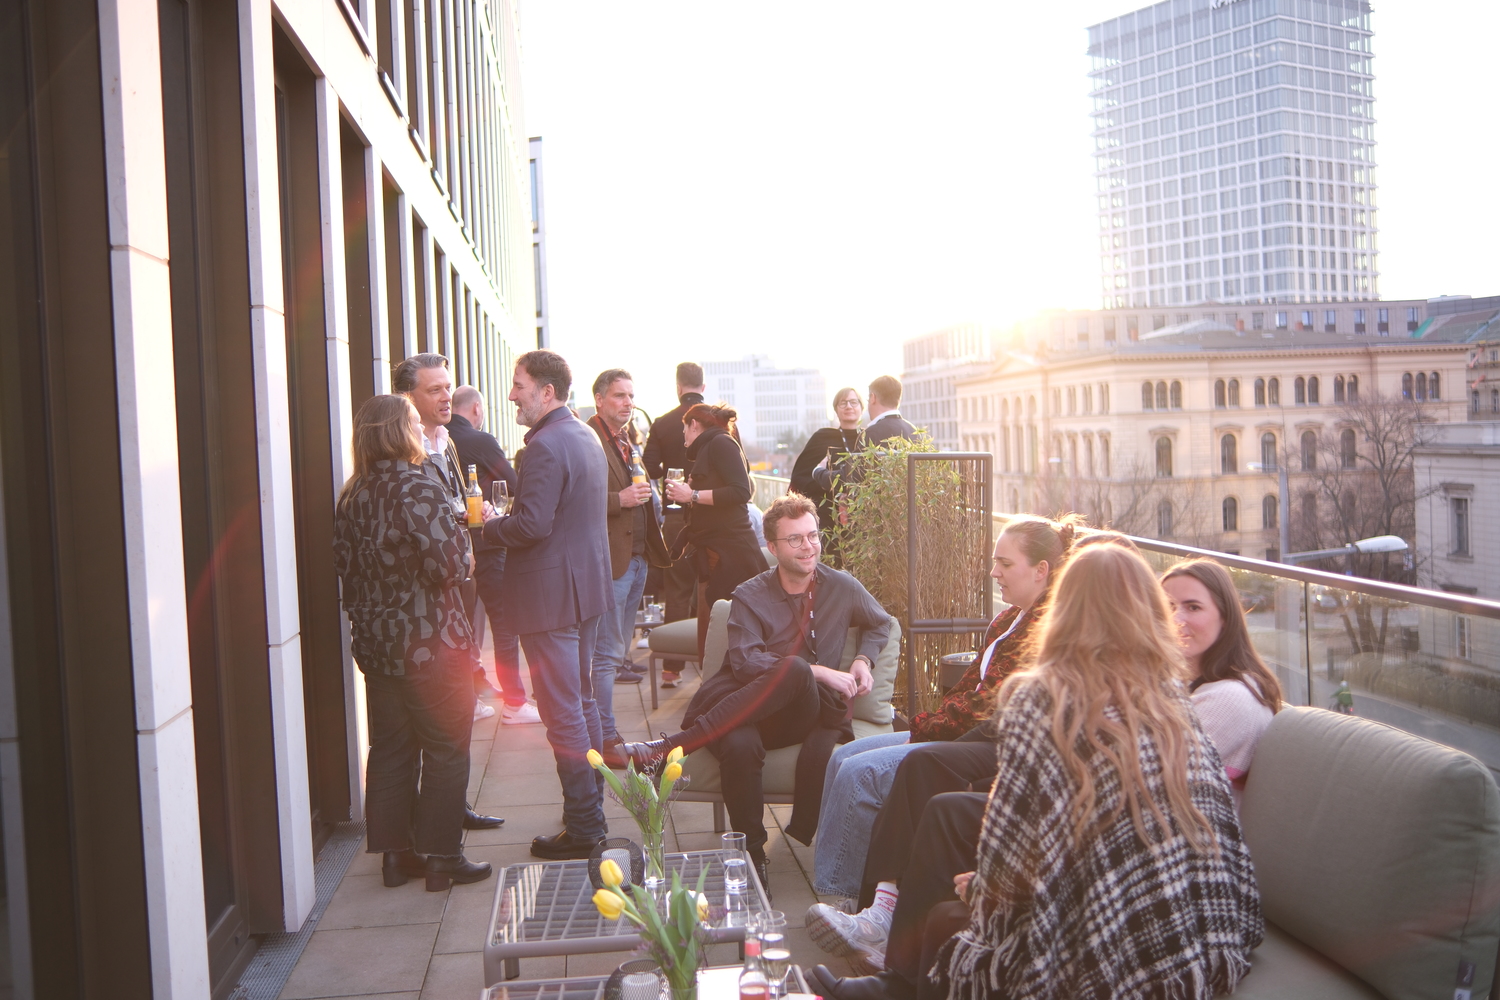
(656, 872)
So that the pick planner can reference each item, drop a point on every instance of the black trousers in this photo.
(419, 726)
(489, 580)
(681, 578)
(945, 920)
(930, 769)
(777, 709)
(948, 839)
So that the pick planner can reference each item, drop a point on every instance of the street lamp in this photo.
(1283, 504)
(1380, 543)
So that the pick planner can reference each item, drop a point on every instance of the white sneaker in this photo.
(860, 936)
(643, 643)
(520, 715)
(482, 711)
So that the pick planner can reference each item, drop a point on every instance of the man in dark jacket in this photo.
(634, 545)
(776, 687)
(886, 421)
(481, 450)
(557, 585)
(665, 450)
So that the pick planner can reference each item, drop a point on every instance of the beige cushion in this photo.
(1284, 969)
(679, 638)
(1378, 849)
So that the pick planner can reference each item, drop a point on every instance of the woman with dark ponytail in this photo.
(718, 537)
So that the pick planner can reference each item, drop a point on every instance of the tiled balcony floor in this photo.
(407, 943)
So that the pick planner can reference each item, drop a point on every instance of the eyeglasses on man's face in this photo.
(812, 538)
(850, 401)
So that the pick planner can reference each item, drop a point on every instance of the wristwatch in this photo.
(695, 496)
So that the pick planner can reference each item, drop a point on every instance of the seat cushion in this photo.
(679, 638)
(1282, 968)
(874, 706)
(1378, 849)
(779, 776)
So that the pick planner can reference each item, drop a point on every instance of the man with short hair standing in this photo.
(424, 379)
(886, 421)
(557, 585)
(482, 451)
(665, 449)
(776, 686)
(635, 545)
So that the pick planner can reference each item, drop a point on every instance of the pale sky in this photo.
(819, 181)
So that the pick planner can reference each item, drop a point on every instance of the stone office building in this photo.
(219, 225)
(1157, 434)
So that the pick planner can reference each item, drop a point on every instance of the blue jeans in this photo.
(615, 629)
(859, 778)
(562, 681)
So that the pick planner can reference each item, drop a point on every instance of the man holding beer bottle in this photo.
(635, 544)
(424, 379)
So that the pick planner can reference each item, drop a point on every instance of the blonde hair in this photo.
(383, 431)
(1108, 639)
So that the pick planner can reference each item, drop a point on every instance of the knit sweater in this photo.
(1108, 918)
(1235, 720)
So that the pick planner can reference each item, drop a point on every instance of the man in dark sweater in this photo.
(481, 450)
(776, 687)
(665, 450)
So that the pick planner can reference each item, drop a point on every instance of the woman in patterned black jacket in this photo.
(402, 554)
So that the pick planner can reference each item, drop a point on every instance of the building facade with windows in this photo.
(220, 225)
(777, 406)
(931, 364)
(1157, 435)
(1235, 153)
(1458, 487)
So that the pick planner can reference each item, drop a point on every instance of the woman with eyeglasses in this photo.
(811, 481)
(717, 537)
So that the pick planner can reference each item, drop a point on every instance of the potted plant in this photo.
(648, 801)
(671, 934)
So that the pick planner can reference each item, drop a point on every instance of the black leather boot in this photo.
(443, 870)
(397, 866)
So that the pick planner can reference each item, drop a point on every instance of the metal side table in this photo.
(713, 987)
(547, 908)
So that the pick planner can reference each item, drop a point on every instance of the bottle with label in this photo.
(474, 499)
(637, 469)
(754, 983)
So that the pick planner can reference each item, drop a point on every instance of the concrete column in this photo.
(273, 456)
(135, 166)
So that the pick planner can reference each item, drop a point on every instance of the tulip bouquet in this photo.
(672, 937)
(648, 801)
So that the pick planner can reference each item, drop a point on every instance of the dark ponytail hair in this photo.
(712, 415)
(1232, 656)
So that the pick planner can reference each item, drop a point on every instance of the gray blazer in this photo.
(557, 567)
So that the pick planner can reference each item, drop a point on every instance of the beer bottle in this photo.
(474, 499)
(637, 469)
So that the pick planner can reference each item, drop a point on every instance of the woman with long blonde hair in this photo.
(1111, 863)
(402, 555)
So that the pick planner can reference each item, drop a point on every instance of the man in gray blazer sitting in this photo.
(557, 585)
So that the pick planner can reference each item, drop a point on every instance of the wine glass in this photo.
(500, 491)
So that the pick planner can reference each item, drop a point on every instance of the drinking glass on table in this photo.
(775, 956)
(736, 878)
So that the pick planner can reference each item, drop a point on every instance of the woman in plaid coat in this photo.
(1111, 863)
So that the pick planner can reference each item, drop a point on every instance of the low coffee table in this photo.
(716, 985)
(547, 908)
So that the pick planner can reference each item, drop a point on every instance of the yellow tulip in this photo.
(672, 773)
(675, 755)
(594, 758)
(610, 905)
(610, 874)
(702, 906)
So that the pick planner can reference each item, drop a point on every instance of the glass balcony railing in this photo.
(1423, 661)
